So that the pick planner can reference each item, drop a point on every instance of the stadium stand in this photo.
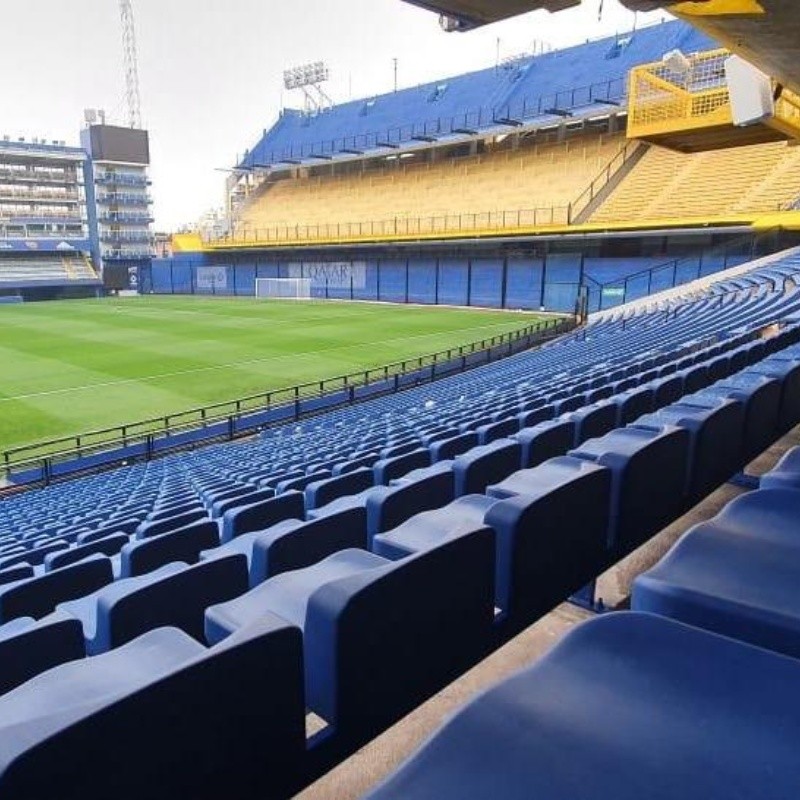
(581, 80)
(540, 178)
(47, 270)
(544, 495)
(759, 178)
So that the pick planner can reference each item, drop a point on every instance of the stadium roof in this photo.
(766, 32)
(472, 13)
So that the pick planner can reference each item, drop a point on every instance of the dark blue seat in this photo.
(174, 595)
(107, 546)
(300, 484)
(387, 469)
(613, 712)
(429, 529)
(787, 371)
(785, 474)
(667, 390)
(431, 613)
(649, 470)
(262, 514)
(634, 404)
(38, 596)
(761, 396)
(389, 506)
(34, 555)
(185, 544)
(366, 460)
(694, 378)
(716, 430)
(293, 545)
(527, 419)
(593, 421)
(127, 526)
(247, 499)
(485, 464)
(322, 492)
(17, 573)
(447, 449)
(28, 647)
(497, 430)
(551, 527)
(737, 575)
(188, 711)
(148, 529)
(545, 440)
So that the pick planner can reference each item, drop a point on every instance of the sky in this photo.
(211, 70)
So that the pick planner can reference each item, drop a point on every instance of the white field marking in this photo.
(233, 365)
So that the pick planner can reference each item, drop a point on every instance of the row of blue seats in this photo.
(368, 636)
(188, 535)
(448, 395)
(442, 443)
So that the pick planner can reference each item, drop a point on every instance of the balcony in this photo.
(121, 179)
(123, 218)
(118, 199)
(136, 237)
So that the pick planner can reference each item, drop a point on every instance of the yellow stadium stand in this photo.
(533, 184)
(741, 181)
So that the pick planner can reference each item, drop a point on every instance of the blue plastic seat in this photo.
(28, 647)
(737, 575)
(184, 713)
(148, 529)
(184, 544)
(432, 614)
(174, 595)
(716, 430)
(107, 546)
(785, 474)
(649, 469)
(485, 464)
(321, 492)
(294, 545)
(545, 440)
(262, 514)
(38, 596)
(614, 711)
(387, 469)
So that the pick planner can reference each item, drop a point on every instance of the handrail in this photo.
(225, 418)
(467, 222)
(604, 178)
(751, 239)
(467, 122)
(508, 220)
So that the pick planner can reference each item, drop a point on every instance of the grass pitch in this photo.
(75, 366)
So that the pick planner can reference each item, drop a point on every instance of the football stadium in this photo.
(457, 456)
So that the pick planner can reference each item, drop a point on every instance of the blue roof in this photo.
(583, 77)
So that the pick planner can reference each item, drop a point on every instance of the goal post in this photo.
(283, 288)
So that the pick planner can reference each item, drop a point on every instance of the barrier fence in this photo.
(45, 461)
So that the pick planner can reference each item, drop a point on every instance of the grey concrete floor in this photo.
(368, 767)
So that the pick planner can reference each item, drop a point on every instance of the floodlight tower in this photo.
(131, 63)
(309, 78)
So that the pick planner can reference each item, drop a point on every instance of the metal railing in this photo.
(244, 416)
(471, 223)
(586, 197)
(562, 103)
(682, 270)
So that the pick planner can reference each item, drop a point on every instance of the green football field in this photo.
(76, 366)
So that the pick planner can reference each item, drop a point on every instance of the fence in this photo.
(46, 461)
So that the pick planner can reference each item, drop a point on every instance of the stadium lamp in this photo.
(306, 75)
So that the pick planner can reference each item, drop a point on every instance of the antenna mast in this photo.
(131, 62)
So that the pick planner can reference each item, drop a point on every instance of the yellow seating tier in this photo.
(743, 180)
(535, 176)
